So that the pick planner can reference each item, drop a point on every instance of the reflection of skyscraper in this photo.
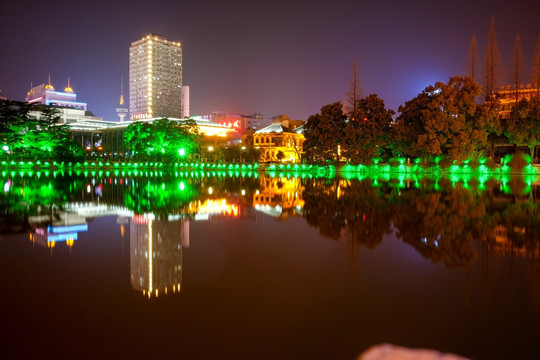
(156, 255)
(155, 78)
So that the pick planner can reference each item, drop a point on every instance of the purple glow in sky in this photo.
(279, 57)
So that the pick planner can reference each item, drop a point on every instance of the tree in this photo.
(471, 66)
(443, 119)
(136, 138)
(493, 70)
(535, 76)
(15, 123)
(516, 67)
(355, 90)
(164, 139)
(51, 137)
(524, 125)
(40, 138)
(366, 132)
(324, 133)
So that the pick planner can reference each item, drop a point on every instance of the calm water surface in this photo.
(248, 266)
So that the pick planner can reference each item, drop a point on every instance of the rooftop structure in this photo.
(47, 95)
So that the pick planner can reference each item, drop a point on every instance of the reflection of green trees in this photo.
(351, 208)
(365, 213)
(322, 208)
(443, 221)
(442, 226)
(521, 222)
(161, 197)
(170, 195)
(24, 196)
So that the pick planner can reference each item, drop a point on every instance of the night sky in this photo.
(277, 57)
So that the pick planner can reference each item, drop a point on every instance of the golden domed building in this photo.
(281, 141)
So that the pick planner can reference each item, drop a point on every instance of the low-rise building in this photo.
(508, 97)
(280, 143)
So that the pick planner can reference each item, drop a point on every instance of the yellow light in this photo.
(150, 260)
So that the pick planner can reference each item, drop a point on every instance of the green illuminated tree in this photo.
(366, 133)
(163, 139)
(40, 138)
(15, 122)
(324, 133)
(136, 138)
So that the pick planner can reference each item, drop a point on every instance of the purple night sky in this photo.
(279, 57)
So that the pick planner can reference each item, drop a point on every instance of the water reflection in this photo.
(453, 221)
(156, 254)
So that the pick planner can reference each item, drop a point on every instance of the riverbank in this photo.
(481, 169)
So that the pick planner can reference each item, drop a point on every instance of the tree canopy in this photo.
(163, 139)
(367, 129)
(42, 137)
(444, 119)
(324, 134)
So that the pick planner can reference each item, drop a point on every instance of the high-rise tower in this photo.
(122, 110)
(155, 78)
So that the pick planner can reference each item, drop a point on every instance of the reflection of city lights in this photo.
(243, 192)
(210, 190)
(218, 207)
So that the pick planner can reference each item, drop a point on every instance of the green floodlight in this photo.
(182, 152)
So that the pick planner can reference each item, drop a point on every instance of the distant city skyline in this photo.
(242, 57)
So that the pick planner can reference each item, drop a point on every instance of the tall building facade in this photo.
(155, 78)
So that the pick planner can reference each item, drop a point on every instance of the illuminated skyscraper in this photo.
(155, 78)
